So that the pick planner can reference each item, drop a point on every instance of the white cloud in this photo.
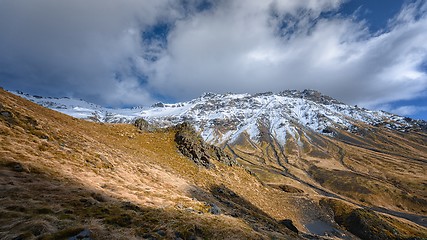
(94, 50)
(237, 48)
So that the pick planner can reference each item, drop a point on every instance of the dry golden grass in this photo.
(382, 168)
(60, 175)
(65, 161)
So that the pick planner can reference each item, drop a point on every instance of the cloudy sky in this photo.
(136, 52)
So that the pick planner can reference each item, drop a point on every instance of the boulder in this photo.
(289, 224)
(214, 209)
(143, 125)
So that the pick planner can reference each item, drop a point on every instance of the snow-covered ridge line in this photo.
(79, 108)
(225, 117)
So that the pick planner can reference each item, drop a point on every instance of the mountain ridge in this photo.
(324, 106)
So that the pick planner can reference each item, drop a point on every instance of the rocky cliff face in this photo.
(192, 145)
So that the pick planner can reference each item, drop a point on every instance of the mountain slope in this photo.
(296, 150)
(370, 158)
(60, 175)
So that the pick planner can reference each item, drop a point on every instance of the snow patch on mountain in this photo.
(84, 110)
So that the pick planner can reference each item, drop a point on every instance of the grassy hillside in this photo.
(376, 168)
(61, 177)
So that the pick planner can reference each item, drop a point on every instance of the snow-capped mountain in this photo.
(222, 118)
(79, 108)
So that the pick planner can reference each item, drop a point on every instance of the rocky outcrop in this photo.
(143, 125)
(289, 224)
(365, 223)
(192, 145)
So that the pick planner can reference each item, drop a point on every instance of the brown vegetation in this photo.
(61, 177)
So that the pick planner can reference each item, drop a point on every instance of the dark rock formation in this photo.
(143, 125)
(83, 235)
(159, 104)
(367, 224)
(289, 224)
(312, 95)
(290, 189)
(191, 145)
(214, 209)
(364, 223)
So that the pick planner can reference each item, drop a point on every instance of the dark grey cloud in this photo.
(96, 50)
(88, 49)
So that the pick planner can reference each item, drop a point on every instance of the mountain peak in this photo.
(312, 95)
(308, 94)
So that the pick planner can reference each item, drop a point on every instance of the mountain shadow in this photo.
(37, 205)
